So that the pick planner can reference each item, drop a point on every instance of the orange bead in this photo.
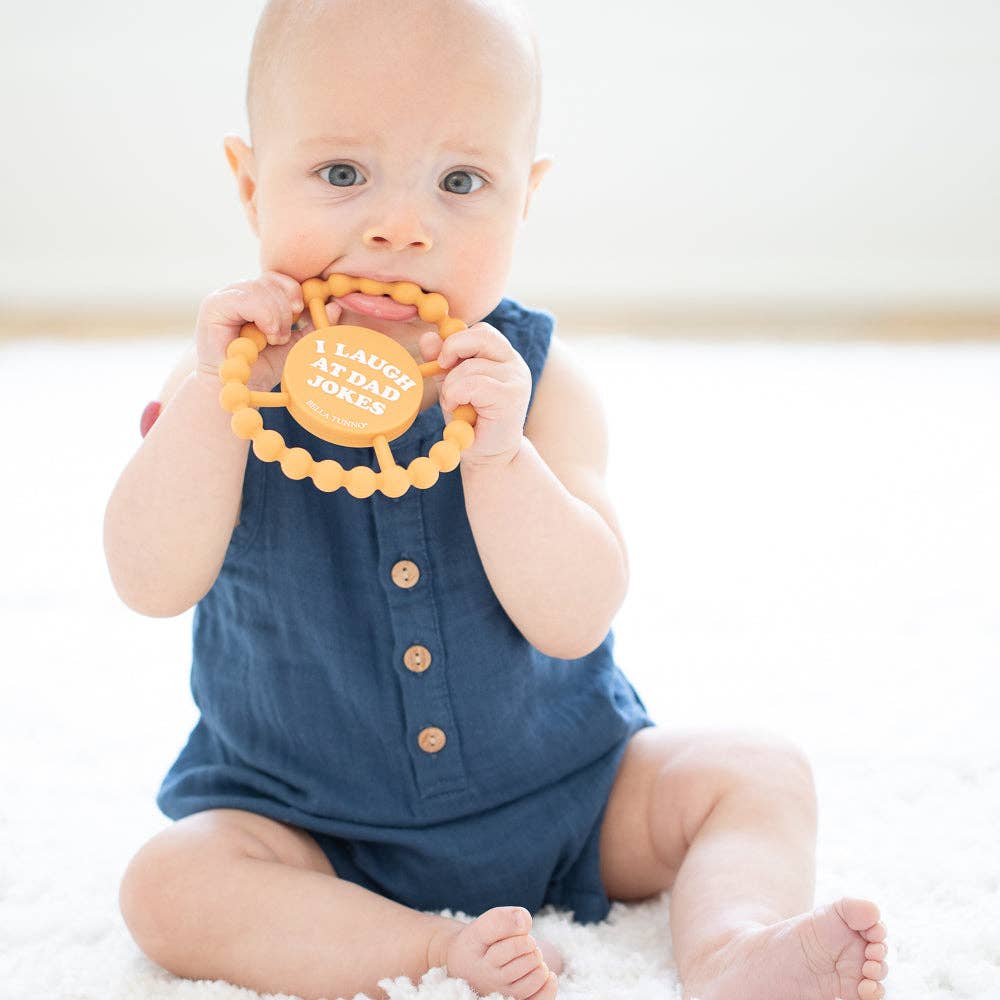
(465, 412)
(241, 347)
(234, 396)
(459, 432)
(445, 455)
(235, 370)
(450, 325)
(296, 463)
(423, 472)
(407, 292)
(371, 287)
(246, 423)
(340, 284)
(314, 288)
(360, 481)
(328, 475)
(250, 332)
(433, 307)
(268, 445)
(395, 481)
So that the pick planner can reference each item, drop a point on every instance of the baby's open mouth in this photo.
(380, 306)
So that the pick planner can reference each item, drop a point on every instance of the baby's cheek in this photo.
(296, 244)
(478, 286)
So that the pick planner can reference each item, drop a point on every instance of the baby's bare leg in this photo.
(730, 829)
(227, 894)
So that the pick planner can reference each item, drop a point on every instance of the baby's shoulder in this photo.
(566, 395)
(566, 421)
(566, 425)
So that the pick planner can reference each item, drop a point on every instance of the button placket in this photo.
(404, 567)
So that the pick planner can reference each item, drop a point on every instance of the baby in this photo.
(410, 704)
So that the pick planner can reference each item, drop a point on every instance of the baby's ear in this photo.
(241, 161)
(539, 169)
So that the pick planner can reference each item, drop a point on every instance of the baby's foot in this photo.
(495, 953)
(835, 952)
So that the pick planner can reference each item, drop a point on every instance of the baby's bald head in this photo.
(293, 35)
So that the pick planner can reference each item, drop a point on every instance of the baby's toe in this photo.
(874, 970)
(529, 985)
(502, 952)
(548, 990)
(858, 914)
(520, 967)
(498, 923)
(876, 952)
(867, 990)
(875, 934)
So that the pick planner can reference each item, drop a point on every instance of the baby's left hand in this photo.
(483, 369)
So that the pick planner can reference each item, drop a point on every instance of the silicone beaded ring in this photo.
(329, 386)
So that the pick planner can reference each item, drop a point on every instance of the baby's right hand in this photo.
(271, 302)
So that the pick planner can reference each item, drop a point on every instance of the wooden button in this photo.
(431, 739)
(417, 659)
(405, 574)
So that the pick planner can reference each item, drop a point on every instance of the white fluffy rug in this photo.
(816, 551)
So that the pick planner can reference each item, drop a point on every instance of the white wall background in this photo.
(804, 152)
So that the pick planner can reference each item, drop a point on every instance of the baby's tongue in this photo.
(378, 306)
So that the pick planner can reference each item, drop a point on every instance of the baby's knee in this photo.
(777, 752)
(771, 760)
(161, 896)
(742, 758)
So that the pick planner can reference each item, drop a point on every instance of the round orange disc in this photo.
(348, 384)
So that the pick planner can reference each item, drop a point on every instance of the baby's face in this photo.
(389, 154)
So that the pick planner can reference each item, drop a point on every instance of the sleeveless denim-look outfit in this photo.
(357, 677)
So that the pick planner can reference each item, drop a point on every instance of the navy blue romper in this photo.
(357, 677)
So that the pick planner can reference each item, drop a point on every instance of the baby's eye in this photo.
(340, 174)
(456, 182)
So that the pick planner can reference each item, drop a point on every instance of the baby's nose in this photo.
(401, 230)
(377, 237)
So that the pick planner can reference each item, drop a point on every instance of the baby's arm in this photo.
(544, 524)
(172, 512)
(170, 516)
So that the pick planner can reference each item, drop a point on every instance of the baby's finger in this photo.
(279, 324)
(271, 317)
(289, 291)
(480, 340)
(288, 284)
(430, 346)
(334, 310)
(229, 308)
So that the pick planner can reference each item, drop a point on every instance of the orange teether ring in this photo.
(333, 388)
